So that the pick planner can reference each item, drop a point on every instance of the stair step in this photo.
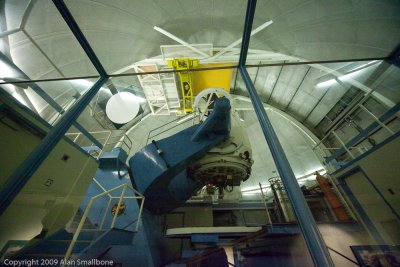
(84, 235)
(109, 238)
(55, 248)
(90, 235)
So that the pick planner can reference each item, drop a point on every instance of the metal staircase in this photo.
(160, 89)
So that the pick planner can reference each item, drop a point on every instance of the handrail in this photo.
(124, 141)
(378, 122)
(265, 205)
(190, 116)
(90, 204)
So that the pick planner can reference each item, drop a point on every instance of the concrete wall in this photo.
(371, 186)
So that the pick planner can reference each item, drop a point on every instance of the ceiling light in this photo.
(326, 83)
(83, 82)
(348, 76)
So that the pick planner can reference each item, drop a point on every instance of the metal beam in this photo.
(202, 69)
(312, 236)
(373, 82)
(367, 90)
(112, 87)
(87, 134)
(366, 132)
(394, 57)
(173, 37)
(69, 19)
(9, 32)
(22, 24)
(255, 77)
(46, 97)
(23, 94)
(248, 24)
(21, 176)
(276, 82)
(318, 102)
(237, 42)
(34, 86)
(298, 87)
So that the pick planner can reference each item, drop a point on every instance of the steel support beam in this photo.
(312, 236)
(315, 64)
(69, 19)
(87, 134)
(34, 86)
(276, 82)
(173, 37)
(298, 88)
(235, 43)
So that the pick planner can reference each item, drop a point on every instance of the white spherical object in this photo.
(122, 107)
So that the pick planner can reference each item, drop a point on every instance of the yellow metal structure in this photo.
(185, 76)
(217, 78)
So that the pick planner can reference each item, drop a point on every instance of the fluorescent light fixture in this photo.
(326, 83)
(251, 193)
(83, 82)
(348, 76)
(373, 62)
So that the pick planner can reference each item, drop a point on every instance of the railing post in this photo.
(105, 214)
(118, 206)
(343, 144)
(265, 205)
(105, 144)
(376, 119)
(76, 138)
(140, 214)
(78, 230)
